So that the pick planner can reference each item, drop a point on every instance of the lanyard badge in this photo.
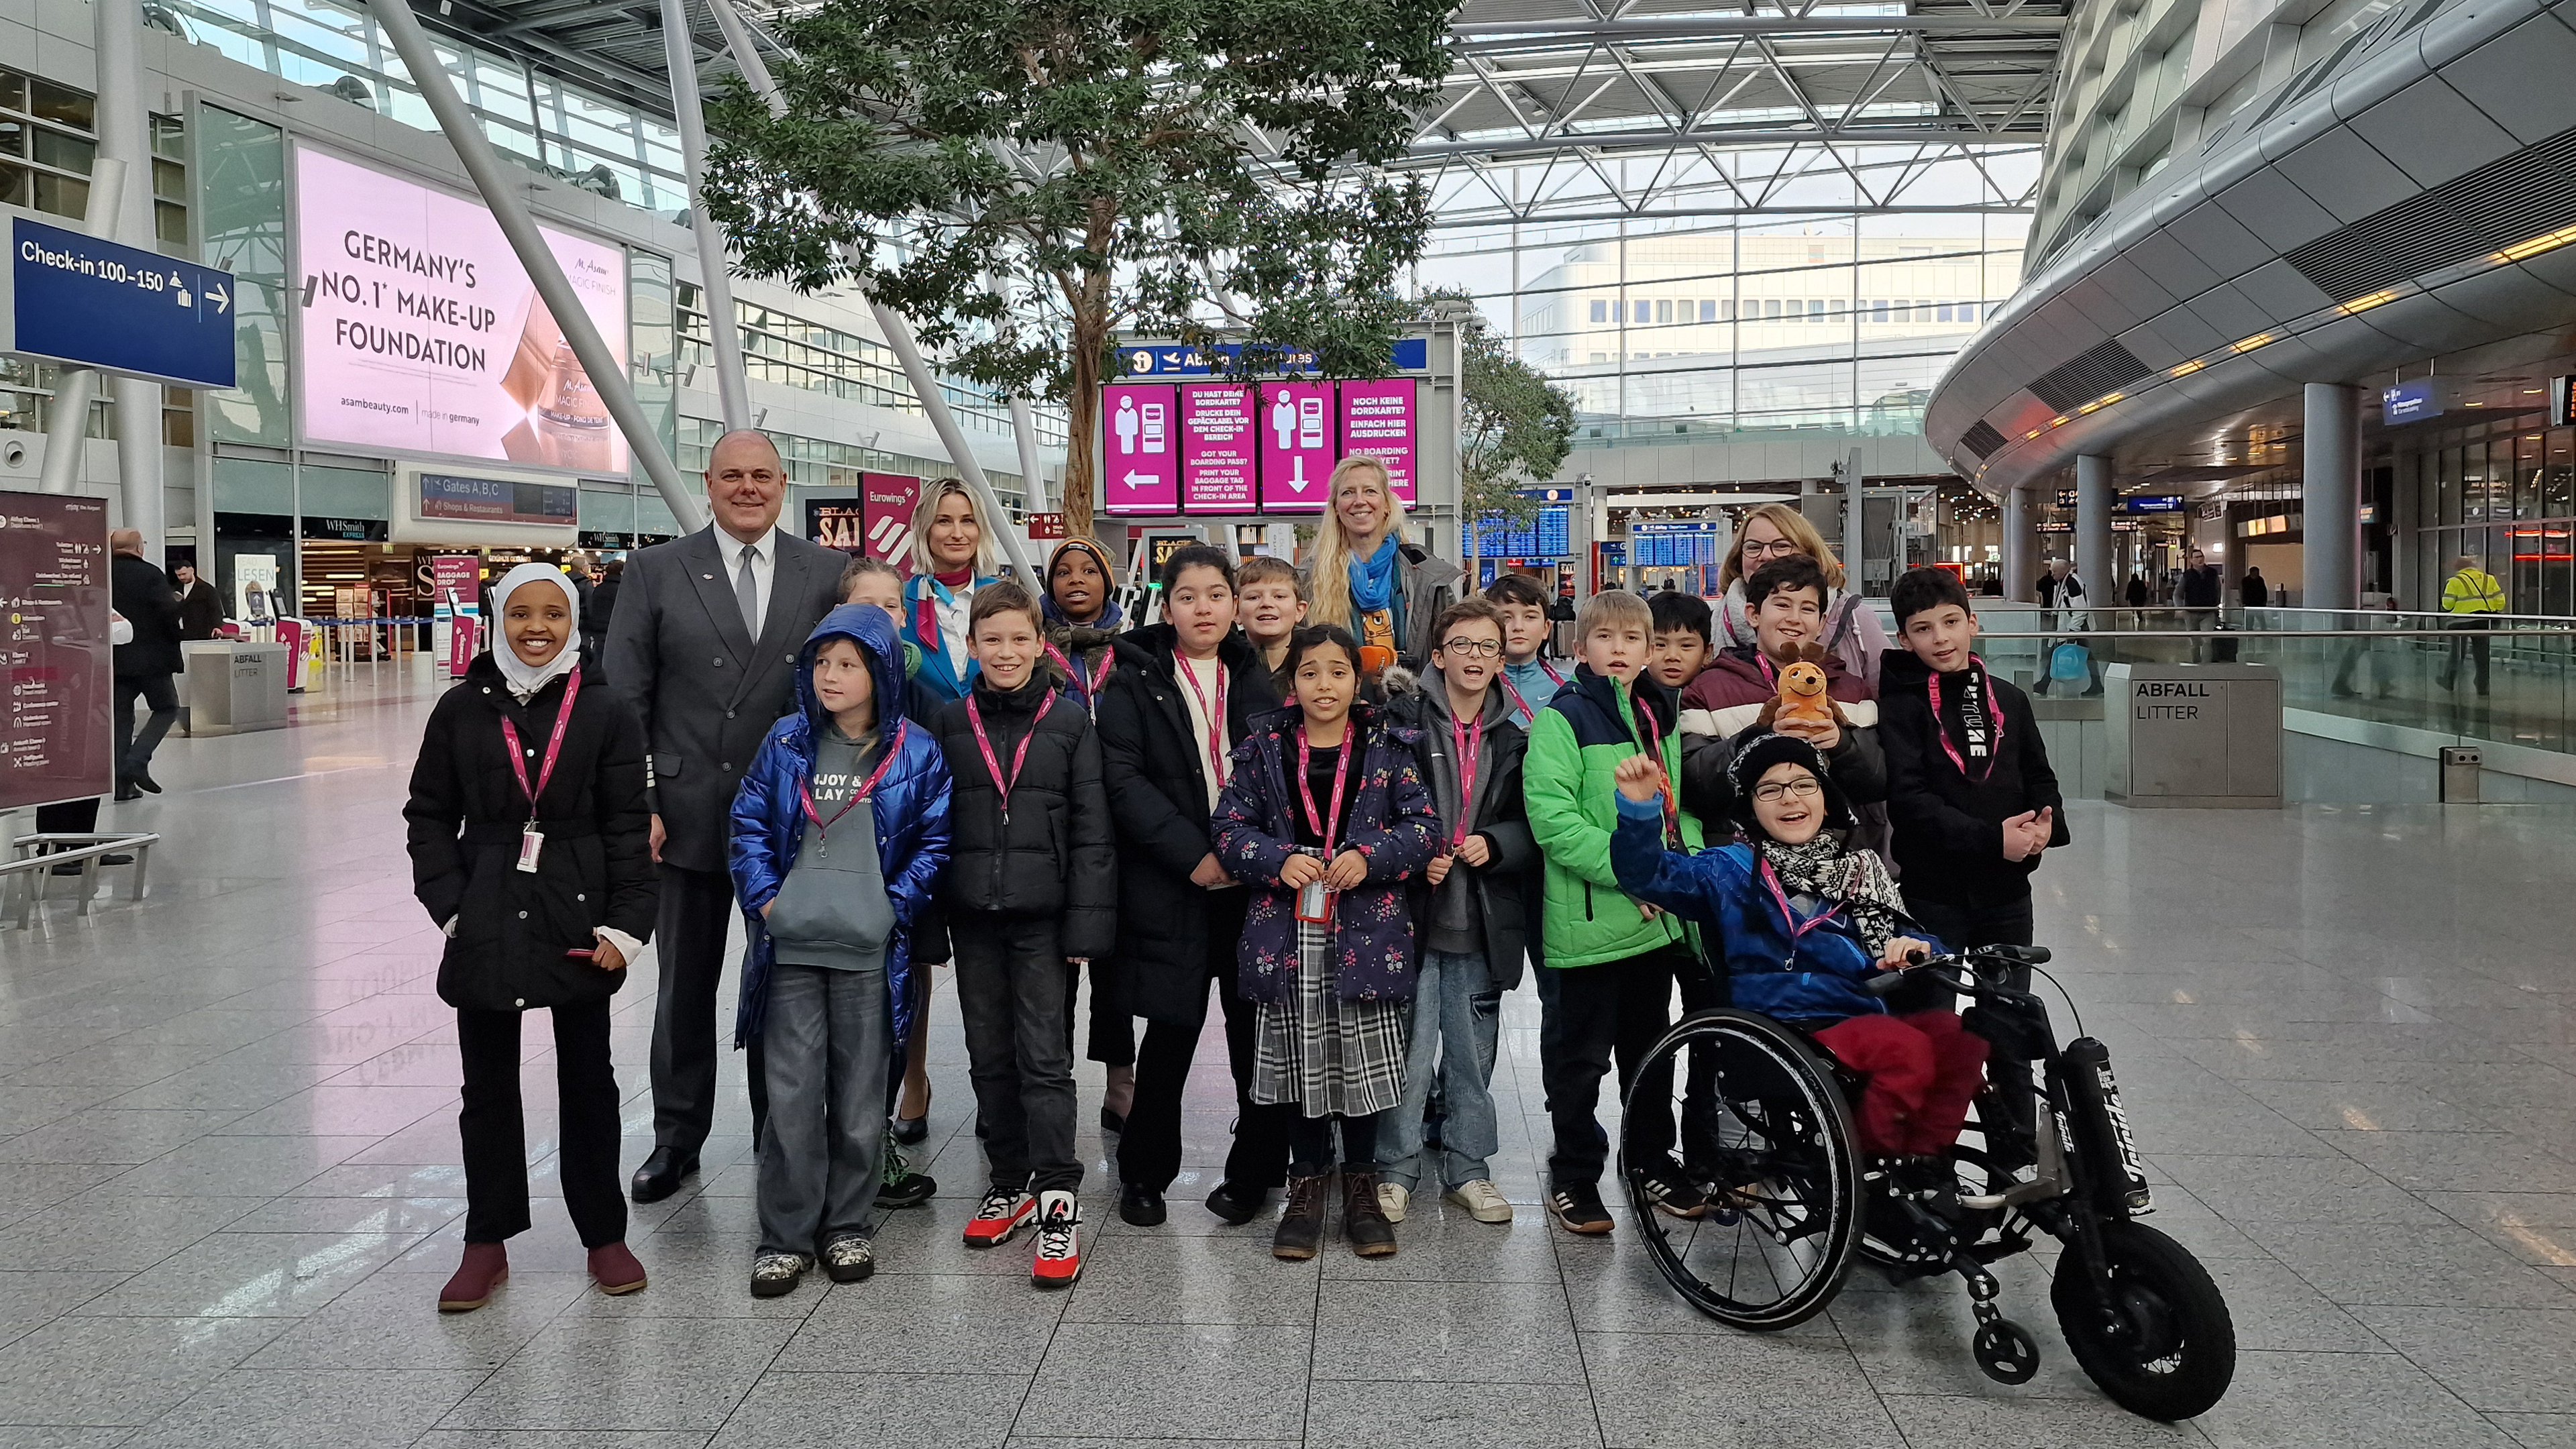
(992, 762)
(1215, 715)
(532, 841)
(1314, 902)
(867, 787)
(1468, 741)
(1092, 685)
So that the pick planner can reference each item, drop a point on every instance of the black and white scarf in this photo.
(1856, 880)
(1975, 736)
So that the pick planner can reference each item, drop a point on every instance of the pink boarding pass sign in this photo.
(1295, 422)
(1379, 421)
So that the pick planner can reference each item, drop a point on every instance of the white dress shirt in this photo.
(764, 567)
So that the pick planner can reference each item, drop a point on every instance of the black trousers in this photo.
(1311, 1142)
(1149, 1151)
(495, 1132)
(1615, 1009)
(133, 751)
(689, 942)
(2474, 640)
(1960, 925)
(1019, 1047)
(1112, 1039)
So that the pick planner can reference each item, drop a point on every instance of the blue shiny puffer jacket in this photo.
(1772, 967)
(910, 806)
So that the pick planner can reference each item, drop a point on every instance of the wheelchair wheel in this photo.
(1766, 1133)
(2156, 1337)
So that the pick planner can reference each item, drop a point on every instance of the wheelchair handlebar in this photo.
(1969, 982)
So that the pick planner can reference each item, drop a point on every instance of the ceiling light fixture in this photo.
(2379, 298)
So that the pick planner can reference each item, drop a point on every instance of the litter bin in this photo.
(234, 686)
(2461, 766)
(2193, 735)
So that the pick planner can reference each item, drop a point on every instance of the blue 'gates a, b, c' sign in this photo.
(70, 297)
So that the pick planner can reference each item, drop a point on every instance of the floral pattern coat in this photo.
(1391, 821)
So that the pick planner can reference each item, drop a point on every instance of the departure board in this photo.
(1543, 536)
(54, 651)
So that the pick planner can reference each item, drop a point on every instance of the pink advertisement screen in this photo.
(1217, 453)
(1378, 420)
(1139, 446)
(420, 332)
(1296, 426)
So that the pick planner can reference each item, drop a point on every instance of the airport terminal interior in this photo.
(2221, 353)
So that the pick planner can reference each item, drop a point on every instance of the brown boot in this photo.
(1301, 1224)
(615, 1270)
(486, 1267)
(1364, 1221)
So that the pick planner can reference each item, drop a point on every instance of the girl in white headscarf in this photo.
(528, 830)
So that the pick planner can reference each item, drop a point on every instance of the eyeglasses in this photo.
(1473, 648)
(1778, 546)
(1773, 794)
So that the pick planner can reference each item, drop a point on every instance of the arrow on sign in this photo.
(1142, 480)
(223, 300)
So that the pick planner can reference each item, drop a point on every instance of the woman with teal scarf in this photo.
(1366, 579)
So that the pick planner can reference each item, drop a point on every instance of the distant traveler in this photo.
(600, 607)
(145, 596)
(201, 609)
(2252, 591)
(2198, 595)
(705, 654)
(2136, 594)
(2469, 596)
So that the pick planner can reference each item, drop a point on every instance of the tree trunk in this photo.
(1082, 419)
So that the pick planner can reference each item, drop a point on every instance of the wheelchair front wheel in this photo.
(1765, 1132)
(2156, 1337)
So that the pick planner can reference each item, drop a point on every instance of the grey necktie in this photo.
(746, 592)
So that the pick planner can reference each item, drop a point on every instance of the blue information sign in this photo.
(76, 299)
(1171, 359)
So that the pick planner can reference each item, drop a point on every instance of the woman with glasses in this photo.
(1852, 632)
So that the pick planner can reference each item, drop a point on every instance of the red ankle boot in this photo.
(486, 1267)
(615, 1270)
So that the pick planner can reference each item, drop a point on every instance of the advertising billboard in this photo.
(1378, 420)
(420, 333)
(1139, 428)
(1295, 424)
(54, 667)
(1217, 453)
(886, 502)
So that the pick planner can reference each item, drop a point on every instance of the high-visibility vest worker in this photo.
(2472, 591)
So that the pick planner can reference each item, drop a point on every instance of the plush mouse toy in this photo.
(1802, 692)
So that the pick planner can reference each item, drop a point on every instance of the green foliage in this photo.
(1514, 426)
(1105, 166)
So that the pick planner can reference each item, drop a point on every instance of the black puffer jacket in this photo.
(1054, 853)
(1158, 798)
(465, 817)
(1503, 886)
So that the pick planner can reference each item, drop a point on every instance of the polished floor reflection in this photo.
(229, 1188)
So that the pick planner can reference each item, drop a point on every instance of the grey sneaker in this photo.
(775, 1275)
(849, 1259)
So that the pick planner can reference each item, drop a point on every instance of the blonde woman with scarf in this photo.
(952, 556)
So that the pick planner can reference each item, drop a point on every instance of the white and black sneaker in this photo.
(775, 1275)
(1059, 1259)
(1578, 1209)
(1671, 1193)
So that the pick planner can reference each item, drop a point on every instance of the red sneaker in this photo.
(615, 1270)
(1059, 1260)
(486, 1267)
(1004, 1212)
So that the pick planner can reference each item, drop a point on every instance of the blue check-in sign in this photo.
(73, 298)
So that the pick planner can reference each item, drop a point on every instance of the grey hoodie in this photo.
(832, 909)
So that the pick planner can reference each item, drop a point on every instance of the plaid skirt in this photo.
(1326, 1054)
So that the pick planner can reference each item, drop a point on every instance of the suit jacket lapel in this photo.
(790, 584)
(715, 590)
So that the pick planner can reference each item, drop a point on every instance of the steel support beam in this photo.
(1530, 34)
(724, 329)
(1666, 138)
(67, 426)
(499, 187)
(123, 135)
(2094, 500)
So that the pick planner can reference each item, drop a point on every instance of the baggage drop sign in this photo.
(1140, 447)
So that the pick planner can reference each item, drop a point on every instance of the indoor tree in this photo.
(1515, 427)
(1025, 180)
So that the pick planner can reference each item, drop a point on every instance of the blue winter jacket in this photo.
(1775, 967)
(910, 806)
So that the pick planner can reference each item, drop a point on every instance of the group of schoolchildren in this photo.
(1359, 863)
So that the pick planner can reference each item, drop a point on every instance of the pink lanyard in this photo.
(554, 744)
(1341, 770)
(1552, 674)
(1655, 747)
(993, 763)
(1467, 740)
(1215, 717)
(1520, 706)
(1797, 929)
(1994, 747)
(867, 787)
(1091, 686)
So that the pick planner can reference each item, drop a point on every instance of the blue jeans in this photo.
(1457, 1020)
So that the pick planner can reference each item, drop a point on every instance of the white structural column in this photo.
(1855, 532)
(2330, 555)
(724, 329)
(67, 427)
(898, 332)
(498, 186)
(2093, 504)
(2020, 569)
(124, 136)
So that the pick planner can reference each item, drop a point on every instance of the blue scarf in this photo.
(1373, 578)
(1110, 615)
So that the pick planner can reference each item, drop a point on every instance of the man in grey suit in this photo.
(703, 645)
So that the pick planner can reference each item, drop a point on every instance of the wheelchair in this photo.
(1791, 1206)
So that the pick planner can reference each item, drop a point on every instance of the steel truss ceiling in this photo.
(1590, 110)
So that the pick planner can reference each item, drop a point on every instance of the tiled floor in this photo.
(228, 1189)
